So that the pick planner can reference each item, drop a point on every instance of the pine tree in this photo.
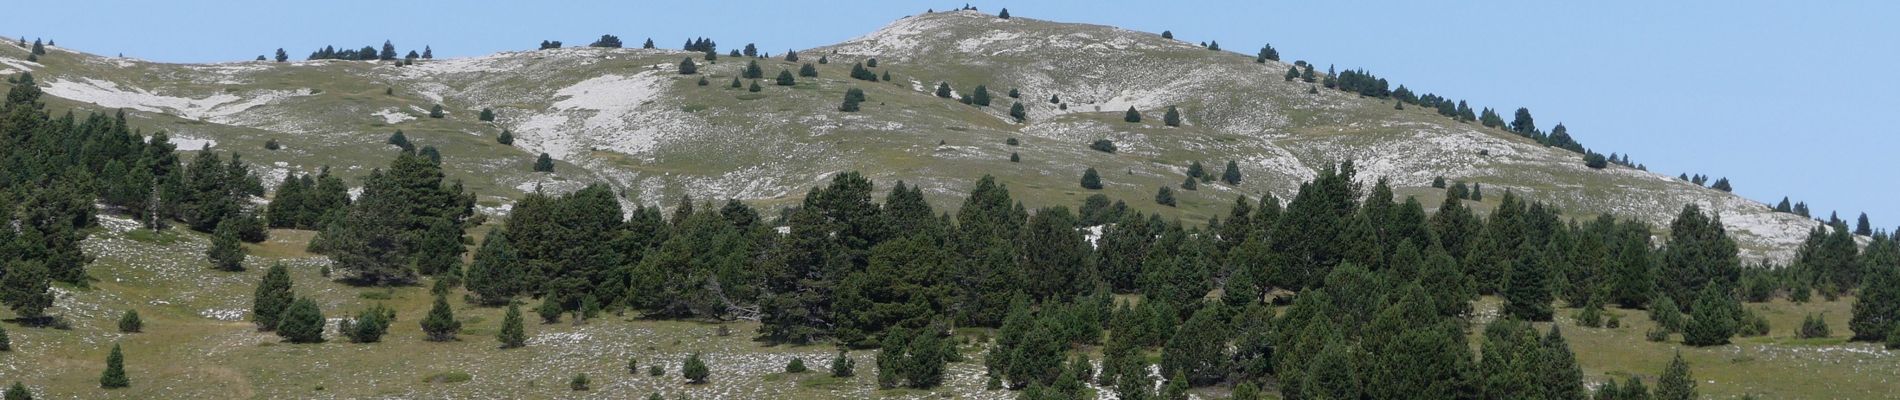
(1014, 157)
(1876, 311)
(687, 67)
(1132, 115)
(130, 323)
(436, 112)
(1231, 175)
(843, 366)
(114, 376)
(273, 296)
(1091, 180)
(1562, 377)
(6, 342)
(578, 383)
(511, 335)
(1017, 112)
(980, 96)
(1676, 382)
(695, 370)
(1528, 295)
(18, 392)
(852, 97)
(441, 325)
(544, 163)
(943, 89)
(1165, 196)
(755, 88)
(495, 276)
(785, 78)
(808, 71)
(1172, 118)
(301, 322)
(26, 288)
(1712, 320)
(487, 115)
(388, 53)
(506, 138)
(1862, 227)
(225, 253)
(1198, 351)
(1004, 14)
(1190, 184)
(1103, 145)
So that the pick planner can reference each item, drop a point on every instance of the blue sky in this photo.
(1783, 98)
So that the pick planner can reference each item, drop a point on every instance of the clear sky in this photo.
(1783, 98)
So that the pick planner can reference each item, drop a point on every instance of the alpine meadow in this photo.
(962, 204)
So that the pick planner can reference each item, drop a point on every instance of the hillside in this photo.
(1329, 290)
(625, 117)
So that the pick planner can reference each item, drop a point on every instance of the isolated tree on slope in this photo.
(440, 325)
(301, 322)
(511, 335)
(114, 376)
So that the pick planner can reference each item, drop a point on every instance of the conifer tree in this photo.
(1676, 382)
(1165, 196)
(1172, 118)
(852, 97)
(114, 376)
(1004, 14)
(1017, 112)
(1862, 227)
(441, 325)
(1198, 351)
(808, 71)
(980, 96)
(130, 323)
(687, 67)
(1190, 184)
(388, 53)
(225, 253)
(1528, 295)
(1091, 180)
(487, 115)
(695, 370)
(785, 78)
(18, 392)
(272, 297)
(26, 288)
(1131, 115)
(301, 322)
(496, 275)
(511, 335)
(1266, 53)
(755, 88)
(1712, 320)
(436, 112)
(544, 163)
(943, 89)
(6, 342)
(1231, 175)
(1876, 312)
(843, 366)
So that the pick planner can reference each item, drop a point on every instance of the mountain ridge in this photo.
(624, 116)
